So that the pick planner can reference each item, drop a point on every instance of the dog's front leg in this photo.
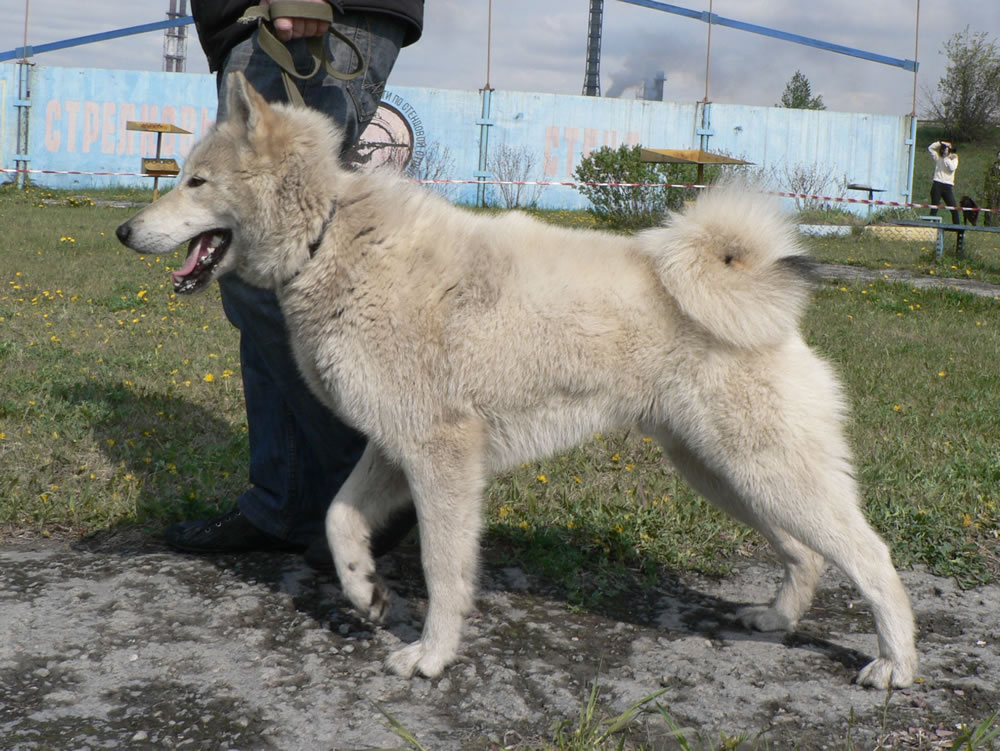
(373, 491)
(447, 481)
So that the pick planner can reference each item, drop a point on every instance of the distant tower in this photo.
(652, 89)
(592, 78)
(175, 39)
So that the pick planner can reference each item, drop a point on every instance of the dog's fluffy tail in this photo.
(734, 264)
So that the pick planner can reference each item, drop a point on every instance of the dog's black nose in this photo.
(123, 232)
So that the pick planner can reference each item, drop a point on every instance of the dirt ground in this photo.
(118, 643)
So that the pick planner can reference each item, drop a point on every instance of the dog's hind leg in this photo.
(802, 565)
(447, 480)
(373, 493)
(809, 503)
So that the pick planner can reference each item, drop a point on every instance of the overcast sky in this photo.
(540, 45)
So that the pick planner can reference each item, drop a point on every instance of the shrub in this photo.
(631, 207)
(513, 166)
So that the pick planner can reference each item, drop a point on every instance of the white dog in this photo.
(462, 344)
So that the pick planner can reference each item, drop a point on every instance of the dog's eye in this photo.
(195, 181)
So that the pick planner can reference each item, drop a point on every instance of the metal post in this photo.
(23, 106)
(156, 180)
(708, 50)
(484, 123)
(911, 145)
(916, 58)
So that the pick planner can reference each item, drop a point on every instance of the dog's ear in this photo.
(243, 103)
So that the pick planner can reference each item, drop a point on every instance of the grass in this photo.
(120, 403)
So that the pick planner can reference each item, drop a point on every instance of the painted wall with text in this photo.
(77, 120)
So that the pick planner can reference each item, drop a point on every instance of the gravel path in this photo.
(120, 644)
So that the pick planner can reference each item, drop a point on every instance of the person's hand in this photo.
(298, 28)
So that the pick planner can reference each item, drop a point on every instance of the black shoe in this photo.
(318, 553)
(231, 532)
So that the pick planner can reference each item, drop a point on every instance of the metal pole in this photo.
(489, 41)
(916, 47)
(708, 49)
(485, 121)
(24, 53)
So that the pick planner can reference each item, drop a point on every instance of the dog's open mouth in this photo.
(204, 253)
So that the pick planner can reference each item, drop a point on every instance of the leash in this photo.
(273, 47)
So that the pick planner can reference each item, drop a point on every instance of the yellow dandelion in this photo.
(543, 479)
(208, 378)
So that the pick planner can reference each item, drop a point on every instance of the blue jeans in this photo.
(300, 453)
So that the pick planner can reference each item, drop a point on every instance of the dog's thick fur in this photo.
(462, 344)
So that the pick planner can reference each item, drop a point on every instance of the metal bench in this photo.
(935, 222)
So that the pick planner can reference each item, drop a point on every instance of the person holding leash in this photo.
(945, 165)
(300, 453)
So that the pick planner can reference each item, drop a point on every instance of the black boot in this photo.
(231, 532)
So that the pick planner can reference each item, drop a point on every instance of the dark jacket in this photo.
(219, 32)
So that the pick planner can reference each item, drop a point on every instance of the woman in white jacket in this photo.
(943, 188)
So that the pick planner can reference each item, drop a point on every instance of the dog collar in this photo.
(314, 245)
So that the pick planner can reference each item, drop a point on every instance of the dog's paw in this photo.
(764, 618)
(370, 596)
(883, 673)
(416, 658)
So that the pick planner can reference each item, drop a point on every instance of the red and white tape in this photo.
(567, 184)
(72, 172)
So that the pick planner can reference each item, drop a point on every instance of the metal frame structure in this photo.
(175, 39)
(592, 76)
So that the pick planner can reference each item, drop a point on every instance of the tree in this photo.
(798, 95)
(968, 99)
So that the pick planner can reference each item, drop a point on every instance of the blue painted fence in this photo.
(77, 123)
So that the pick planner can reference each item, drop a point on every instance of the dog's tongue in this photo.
(198, 247)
